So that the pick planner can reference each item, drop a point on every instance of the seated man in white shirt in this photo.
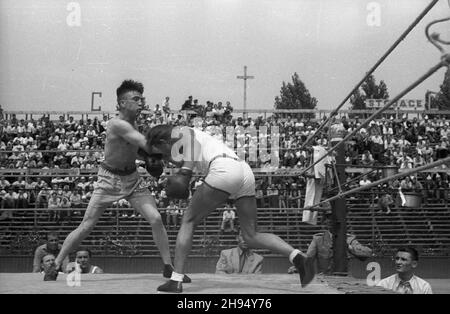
(228, 217)
(404, 281)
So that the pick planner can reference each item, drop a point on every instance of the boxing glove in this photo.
(154, 167)
(178, 185)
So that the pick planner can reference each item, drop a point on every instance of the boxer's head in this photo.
(129, 98)
(160, 139)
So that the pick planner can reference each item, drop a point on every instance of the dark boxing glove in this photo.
(154, 167)
(178, 185)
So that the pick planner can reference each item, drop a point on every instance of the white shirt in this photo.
(228, 214)
(418, 285)
(206, 149)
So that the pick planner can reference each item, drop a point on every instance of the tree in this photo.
(368, 90)
(443, 96)
(295, 95)
(357, 101)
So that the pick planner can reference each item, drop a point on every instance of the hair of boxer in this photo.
(159, 134)
(129, 85)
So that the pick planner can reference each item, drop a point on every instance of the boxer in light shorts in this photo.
(118, 178)
(226, 176)
(240, 181)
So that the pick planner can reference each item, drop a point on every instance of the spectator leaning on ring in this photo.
(51, 247)
(83, 259)
(404, 281)
(48, 261)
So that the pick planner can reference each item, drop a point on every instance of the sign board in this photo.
(402, 104)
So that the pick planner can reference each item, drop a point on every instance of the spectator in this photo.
(321, 247)
(172, 214)
(367, 158)
(4, 184)
(404, 281)
(416, 185)
(65, 205)
(441, 189)
(239, 260)
(75, 199)
(405, 162)
(406, 184)
(51, 247)
(187, 104)
(8, 201)
(43, 195)
(83, 259)
(54, 203)
(385, 202)
(364, 181)
(22, 199)
(272, 196)
(259, 195)
(295, 198)
(228, 217)
(48, 261)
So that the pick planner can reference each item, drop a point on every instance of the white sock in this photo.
(293, 254)
(176, 276)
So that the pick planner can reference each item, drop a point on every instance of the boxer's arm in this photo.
(126, 131)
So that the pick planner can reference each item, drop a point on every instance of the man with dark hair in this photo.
(51, 247)
(227, 176)
(83, 261)
(187, 105)
(118, 177)
(404, 281)
(239, 260)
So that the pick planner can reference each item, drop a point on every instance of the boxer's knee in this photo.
(155, 219)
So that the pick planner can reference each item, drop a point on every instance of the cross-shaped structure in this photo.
(245, 77)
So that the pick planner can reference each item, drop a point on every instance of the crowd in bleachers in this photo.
(78, 144)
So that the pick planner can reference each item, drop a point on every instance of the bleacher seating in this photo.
(428, 228)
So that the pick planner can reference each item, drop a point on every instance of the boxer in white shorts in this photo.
(226, 176)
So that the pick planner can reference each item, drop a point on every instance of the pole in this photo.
(245, 91)
(339, 220)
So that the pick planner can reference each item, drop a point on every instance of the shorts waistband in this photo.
(119, 172)
(224, 156)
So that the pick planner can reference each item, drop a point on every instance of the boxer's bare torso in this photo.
(119, 154)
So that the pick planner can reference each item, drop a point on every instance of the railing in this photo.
(318, 113)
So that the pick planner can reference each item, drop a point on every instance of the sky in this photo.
(55, 53)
